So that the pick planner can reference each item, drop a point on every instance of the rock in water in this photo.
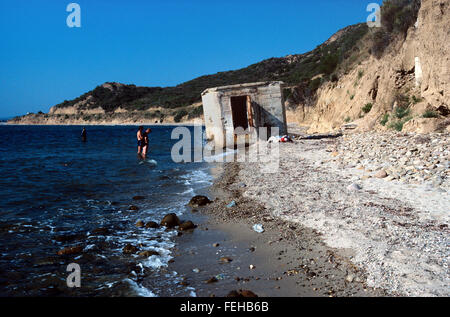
(133, 208)
(140, 224)
(130, 249)
(148, 253)
(187, 225)
(170, 220)
(381, 174)
(138, 197)
(198, 201)
(151, 224)
(70, 250)
(100, 231)
(211, 280)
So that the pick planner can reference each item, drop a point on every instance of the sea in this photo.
(57, 191)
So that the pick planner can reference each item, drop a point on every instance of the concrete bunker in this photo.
(241, 110)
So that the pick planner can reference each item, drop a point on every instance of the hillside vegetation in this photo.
(292, 69)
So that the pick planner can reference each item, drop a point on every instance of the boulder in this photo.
(170, 221)
(151, 224)
(70, 250)
(187, 225)
(140, 224)
(130, 249)
(199, 200)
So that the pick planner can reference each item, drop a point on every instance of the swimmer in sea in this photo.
(146, 142)
(140, 139)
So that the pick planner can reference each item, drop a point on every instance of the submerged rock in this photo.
(130, 249)
(151, 224)
(69, 237)
(100, 231)
(187, 225)
(199, 200)
(170, 221)
(133, 208)
(140, 224)
(138, 197)
(70, 250)
(148, 253)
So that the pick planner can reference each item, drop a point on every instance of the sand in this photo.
(289, 261)
(397, 234)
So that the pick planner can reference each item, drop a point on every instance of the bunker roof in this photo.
(242, 86)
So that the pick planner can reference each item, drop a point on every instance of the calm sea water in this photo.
(55, 191)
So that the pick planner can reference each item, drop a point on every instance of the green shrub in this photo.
(196, 112)
(397, 125)
(415, 99)
(179, 115)
(352, 96)
(367, 107)
(360, 74)
(401, 112)
(347, 119)
(430, 114)
(315, 84)
(334, 77)
(385, 119)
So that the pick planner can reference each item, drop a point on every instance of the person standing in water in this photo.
(146, 142)
(140, 139)
(84, 135)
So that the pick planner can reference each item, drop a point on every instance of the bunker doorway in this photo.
(241, 110)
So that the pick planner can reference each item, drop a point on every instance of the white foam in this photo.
(139, 289)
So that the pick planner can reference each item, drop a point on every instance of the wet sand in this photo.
(288, 260)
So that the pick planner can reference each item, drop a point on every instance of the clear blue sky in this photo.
(149, 43)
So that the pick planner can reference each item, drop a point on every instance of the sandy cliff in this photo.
(413, 73)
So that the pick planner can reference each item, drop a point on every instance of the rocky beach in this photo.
(343, 216)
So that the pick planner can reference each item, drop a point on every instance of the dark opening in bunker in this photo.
(239, 112)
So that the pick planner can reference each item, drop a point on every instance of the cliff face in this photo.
(406, 89)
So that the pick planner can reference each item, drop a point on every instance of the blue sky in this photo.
(149, 43)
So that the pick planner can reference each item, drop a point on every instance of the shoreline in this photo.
(331, 227)
(291, 262)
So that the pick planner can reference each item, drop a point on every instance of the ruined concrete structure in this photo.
(245, 107)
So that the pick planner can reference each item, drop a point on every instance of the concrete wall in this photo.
(267, 104)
